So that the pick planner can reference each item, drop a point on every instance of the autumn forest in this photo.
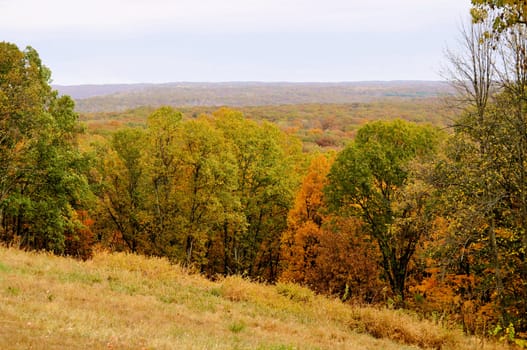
(417, 203)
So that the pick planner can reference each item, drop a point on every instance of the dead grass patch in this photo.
(403, 328)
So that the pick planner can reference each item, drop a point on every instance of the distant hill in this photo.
(78, 92)
(104, 98)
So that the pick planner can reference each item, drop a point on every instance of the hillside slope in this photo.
(120, 301)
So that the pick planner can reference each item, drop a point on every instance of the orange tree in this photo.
(326, 252)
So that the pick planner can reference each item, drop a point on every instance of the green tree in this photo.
(368, 180)
(205, 194)
(41, 175)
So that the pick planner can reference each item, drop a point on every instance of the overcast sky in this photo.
(129, 41)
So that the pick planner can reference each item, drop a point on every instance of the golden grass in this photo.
(122, 301)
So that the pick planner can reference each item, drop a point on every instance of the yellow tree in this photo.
(205, 186)
(162, 171)
(121, 192)
(502, 13)
(265, 180)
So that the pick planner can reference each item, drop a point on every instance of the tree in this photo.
(42, 181)
(502, 14)
(212, 192)
(326, 252)
(301, 241)
(121, 188)
(482, 180)
(265, 181)
(205, 191)
(22, 95)
(367, 180)
(162, 172)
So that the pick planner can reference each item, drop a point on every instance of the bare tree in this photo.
(472, 70)
(475, 75)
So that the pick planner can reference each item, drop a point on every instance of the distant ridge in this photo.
(118, 97)
(93, 90)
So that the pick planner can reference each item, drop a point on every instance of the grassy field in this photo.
(122, 301)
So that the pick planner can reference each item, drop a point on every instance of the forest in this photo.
(426, 213)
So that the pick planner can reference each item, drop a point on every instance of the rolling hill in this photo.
(105, 98)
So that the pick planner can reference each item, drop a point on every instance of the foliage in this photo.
(212, 192)
(326, 252)
(119, 187)
(476, 262)
(396, 217)
(370, 180)
(42, 182)
(80, 239)
(503, 14)
(301, 240)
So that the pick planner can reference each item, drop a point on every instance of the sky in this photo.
(158, 41)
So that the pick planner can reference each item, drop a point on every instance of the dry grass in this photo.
(120, 301)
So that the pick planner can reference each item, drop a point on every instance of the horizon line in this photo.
(256, 82)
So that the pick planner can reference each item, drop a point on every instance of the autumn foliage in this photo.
(80, 239)
(325, 252)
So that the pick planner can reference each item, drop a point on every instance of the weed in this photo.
(403, 328)
(4, 268)
(237, 326)
(124, 288)
(13, 291)
(167, 299)
(295, 292)
(232, 288)
(216, 292)
(82, 277)
(278, 347)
